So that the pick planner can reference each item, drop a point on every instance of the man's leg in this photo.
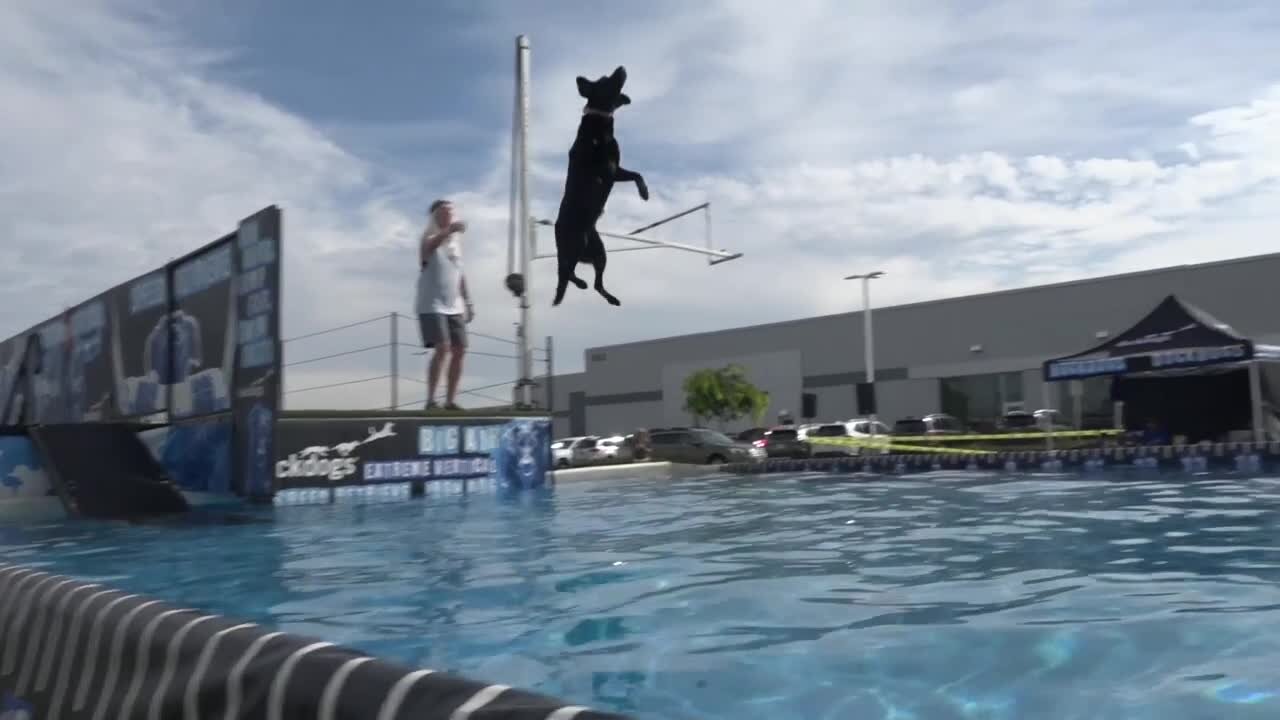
(434, 366)
(458, 341)
(435, 338)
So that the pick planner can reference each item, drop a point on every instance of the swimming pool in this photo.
(803, 596)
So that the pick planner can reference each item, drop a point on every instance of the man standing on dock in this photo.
(443, 305)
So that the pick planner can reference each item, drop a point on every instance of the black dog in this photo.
(594, 166)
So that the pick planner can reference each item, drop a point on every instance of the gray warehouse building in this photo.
(974, 357)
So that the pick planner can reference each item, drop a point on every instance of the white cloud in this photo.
(1006, 147)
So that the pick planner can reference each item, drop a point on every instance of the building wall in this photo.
(632, 385)
(563, 390)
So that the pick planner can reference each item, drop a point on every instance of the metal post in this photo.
(868, 336)
(1076, 388)
(395, 361)
(1046, 403)
(551, 386)
(515, 389)
(524, 386)
(1255, 401)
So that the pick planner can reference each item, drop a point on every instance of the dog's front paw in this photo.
(643, 188)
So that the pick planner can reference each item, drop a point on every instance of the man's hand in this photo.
(470, 314)
(458, 227)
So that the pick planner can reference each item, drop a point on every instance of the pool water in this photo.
(804, 596)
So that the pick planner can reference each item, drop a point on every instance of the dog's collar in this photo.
(593, 111)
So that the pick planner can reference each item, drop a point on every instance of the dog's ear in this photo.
(584, 87)
(620, 75)
(623, 99)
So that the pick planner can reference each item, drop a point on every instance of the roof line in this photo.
(920, 303)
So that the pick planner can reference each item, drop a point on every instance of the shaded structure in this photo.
(1183, 368)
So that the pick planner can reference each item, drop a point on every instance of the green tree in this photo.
(724, 394)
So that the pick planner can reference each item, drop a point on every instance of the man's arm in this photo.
(430, 243)
(466, 298)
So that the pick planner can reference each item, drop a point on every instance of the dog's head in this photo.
(604, 94)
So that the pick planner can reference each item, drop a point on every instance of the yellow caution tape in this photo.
(857, 442)
(940, 444)
(1040, 435)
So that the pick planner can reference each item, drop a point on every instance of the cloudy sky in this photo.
(960, 147)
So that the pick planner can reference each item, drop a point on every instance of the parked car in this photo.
(910, 426)
(1048, 418)
(785, 441)
(862, 427)
(751, 435)
(831, 430)
(593, 450)
(700, 446)
(1018, 421)
(942, 424)
(562, 451)
(859, 427)
(803, 429)
(931, 424)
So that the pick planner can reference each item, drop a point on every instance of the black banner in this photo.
(376, 450)
(195, 339)
(88, 378)
(50, 387)
(201, 339)
(10, 356)
(139, 344)
(257, 372)
(328, 452)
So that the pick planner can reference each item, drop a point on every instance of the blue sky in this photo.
(961, 147)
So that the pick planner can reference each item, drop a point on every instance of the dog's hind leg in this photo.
(562, 279)
(598, 261)
(569, 248)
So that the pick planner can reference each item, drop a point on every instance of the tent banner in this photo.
(1186, 357)
(1183, 357)
(1075, 369)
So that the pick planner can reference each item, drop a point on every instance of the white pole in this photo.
(867, 332)
(395, 361)
(524, 386)
(1255, 401)
(868, 341)
(868, 338)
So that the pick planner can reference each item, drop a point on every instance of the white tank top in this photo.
(440, 282)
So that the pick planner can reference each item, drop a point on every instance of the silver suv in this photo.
(700, 446)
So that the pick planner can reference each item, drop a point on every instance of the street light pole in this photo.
(868, 336)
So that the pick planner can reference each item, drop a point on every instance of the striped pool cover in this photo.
(71, 650)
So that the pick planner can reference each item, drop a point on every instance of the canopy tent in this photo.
(1182, 363)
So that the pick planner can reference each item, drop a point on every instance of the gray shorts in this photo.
(442, 330)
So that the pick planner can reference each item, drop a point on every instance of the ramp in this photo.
(103, 470)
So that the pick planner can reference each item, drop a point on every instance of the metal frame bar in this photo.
(715, 256)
